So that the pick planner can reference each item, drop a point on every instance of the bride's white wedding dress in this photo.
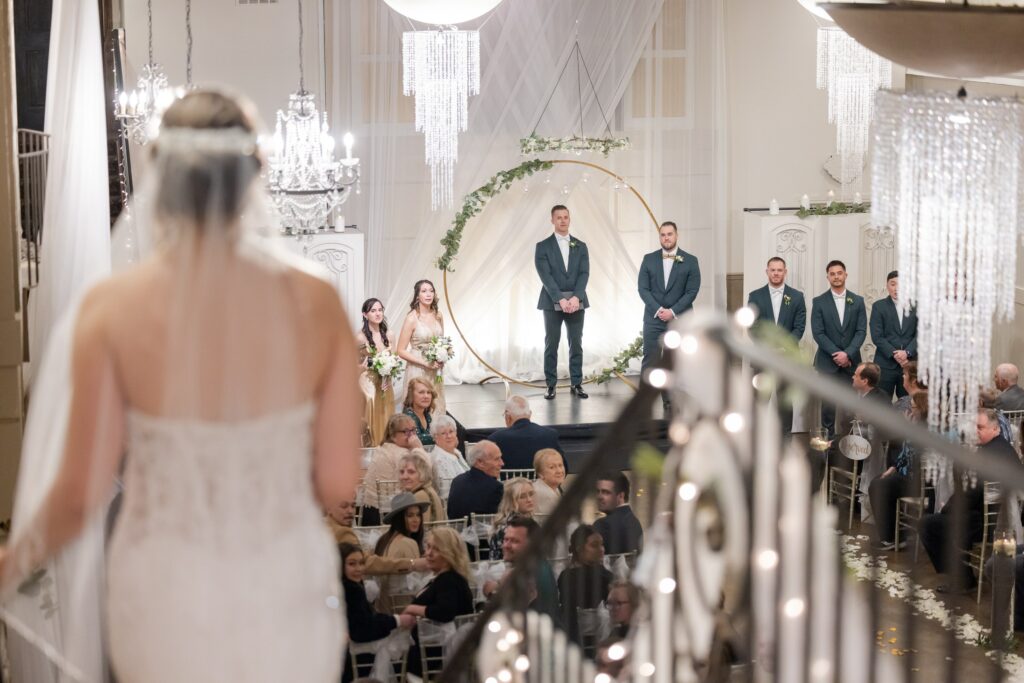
(220, 567)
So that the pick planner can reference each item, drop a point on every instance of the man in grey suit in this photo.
(668, 283)
(563, 265)
(1012, 396)
(781, 306)
(839, 324)
(895, 338)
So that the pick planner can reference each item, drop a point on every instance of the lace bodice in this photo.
(220, 484)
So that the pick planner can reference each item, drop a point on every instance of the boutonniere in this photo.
(573, 244)
(678, 258)
(786, 299)
(849, 299)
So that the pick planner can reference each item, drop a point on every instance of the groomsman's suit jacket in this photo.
(682, 289)
(831, 336)
(889, 335)
(555, 278)
(792, 310)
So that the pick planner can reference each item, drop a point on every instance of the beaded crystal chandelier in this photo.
(850, 74)
(442, 69)
(306, 183)
(947, 177)
(138, 111)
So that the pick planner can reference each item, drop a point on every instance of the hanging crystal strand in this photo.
(442, 69)
(946, 176)
(850, 74)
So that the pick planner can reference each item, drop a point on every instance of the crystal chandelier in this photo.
(139, 111)
(947, 178)
(442, 69)
(306, 183)
(850, 74)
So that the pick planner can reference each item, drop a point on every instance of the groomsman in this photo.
(839, 324)
(779, 304)
(563, 265)
(668, 283)
(895, 337)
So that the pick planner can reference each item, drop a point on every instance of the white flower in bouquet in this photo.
(439, 350)
(387, 364)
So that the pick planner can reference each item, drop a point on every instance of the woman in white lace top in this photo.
(446, 459)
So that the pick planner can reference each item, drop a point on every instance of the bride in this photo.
(218, 381)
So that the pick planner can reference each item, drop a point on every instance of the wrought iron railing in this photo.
(33, 157)
(745, 573)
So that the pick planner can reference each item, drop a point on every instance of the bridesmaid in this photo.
(380, 394)
(421, 323)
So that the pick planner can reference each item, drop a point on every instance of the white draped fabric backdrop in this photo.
(679, 167)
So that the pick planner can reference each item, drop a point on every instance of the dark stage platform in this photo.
(579, 422)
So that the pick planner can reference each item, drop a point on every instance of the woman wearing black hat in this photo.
(404, 540)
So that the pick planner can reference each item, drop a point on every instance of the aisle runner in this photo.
(897, 582)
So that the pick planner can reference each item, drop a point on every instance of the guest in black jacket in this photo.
(619, 527)
(521, 438)
(584, 584)
(937, 529)
(447, 595)
(478, 490)
(364, 624)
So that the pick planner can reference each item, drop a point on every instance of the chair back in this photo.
(399, 601)
(505, 475)
(459, 525)
(480, 535)
(588, 624)
(369, 535)
(364, 657)
(434, 638)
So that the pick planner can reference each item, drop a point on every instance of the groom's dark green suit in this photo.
(559, 282)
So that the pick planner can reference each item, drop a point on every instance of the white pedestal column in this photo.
(343, 256)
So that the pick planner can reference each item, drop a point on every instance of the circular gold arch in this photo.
(537, 384)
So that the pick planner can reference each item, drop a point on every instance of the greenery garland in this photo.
(475, 202)
(833, 209)
(620, 363)
(534, 144)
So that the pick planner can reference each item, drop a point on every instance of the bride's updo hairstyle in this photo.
(207, 158)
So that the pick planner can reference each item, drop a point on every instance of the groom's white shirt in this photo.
(563, 246)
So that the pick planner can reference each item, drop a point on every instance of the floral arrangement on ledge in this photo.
(620, 363)
(534, 144)
(834, 209)
(475, 202)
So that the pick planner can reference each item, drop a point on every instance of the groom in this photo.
(563, 266)
(668, 283)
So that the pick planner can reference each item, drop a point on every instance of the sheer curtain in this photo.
(76, 214)
(494, 288)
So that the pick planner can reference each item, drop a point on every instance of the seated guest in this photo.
(521, 438)
(987, 399)
(446, 458)
(585, 583)
(895, 482)
(478, 490)
(518, 532)
(936, 530)
(1012, 395)
(912, 384)
(619, 528)
(364, 623)
(865, 383)
(339, 520)
(623, 601)
(414, 477)
(547, 487)
(403, 541)
(517, 501)
(420, 397)
(448, 594)
(400, 439)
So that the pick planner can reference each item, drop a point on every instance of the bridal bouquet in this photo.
(439, 350)
(386, 364)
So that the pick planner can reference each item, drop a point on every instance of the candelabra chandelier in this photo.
(850, 74)
(138, 111)
(947, 177)
(306, 183)
(442, 69)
